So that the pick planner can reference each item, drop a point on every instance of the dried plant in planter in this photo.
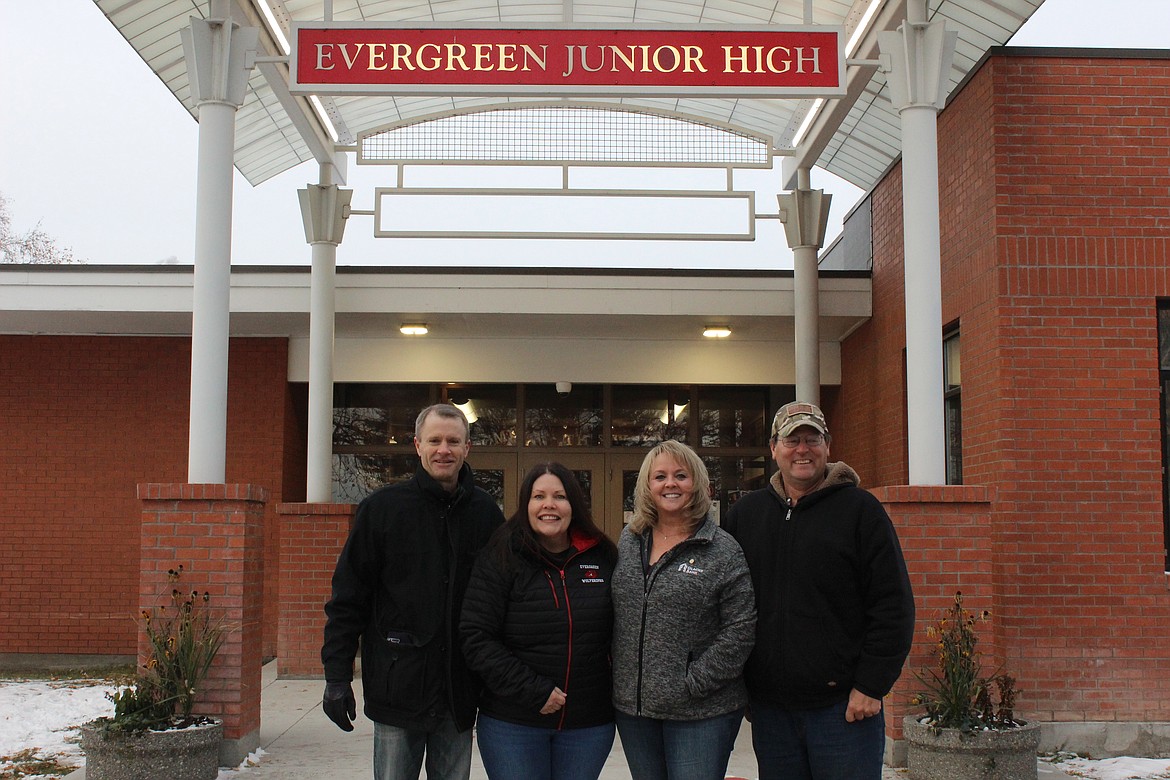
(183, 638)
(957, 695)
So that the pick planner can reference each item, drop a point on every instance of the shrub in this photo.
(957, 695)
(183, 638)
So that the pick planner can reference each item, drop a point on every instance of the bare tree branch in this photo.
(34, 246)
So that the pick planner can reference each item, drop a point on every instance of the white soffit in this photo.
(862, 146)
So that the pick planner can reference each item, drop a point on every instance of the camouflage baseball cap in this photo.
(796, 414)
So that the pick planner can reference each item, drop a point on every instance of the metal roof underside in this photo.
(856, 137)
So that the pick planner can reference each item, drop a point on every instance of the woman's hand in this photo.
(556, 700)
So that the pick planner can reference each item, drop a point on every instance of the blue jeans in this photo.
(398, 752)
(817, 744)
(514, 752)
(678, 749)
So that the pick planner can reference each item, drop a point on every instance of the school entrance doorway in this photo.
(599, 431)
(607, 478)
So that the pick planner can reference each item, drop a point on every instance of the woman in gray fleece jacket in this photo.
(684, 624)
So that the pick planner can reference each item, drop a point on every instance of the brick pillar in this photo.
(217, 533)
(946, 537)
(311, 537)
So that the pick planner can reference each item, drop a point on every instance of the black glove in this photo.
(339, 704)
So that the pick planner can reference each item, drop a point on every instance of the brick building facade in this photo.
(1055, 253)
(86, 419)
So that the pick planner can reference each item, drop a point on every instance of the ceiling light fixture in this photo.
(716, 331)
(274, 28)
(413, 329)
(862, 28)
(855, 39)
(323, 115)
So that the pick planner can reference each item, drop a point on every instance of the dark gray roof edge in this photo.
(1054, 52)
(432, 270)
(1076, 52)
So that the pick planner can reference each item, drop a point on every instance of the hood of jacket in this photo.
(837, 475)
(578, 543)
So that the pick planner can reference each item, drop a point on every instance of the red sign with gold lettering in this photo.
(757, 61)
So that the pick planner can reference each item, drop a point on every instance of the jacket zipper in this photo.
(569, 617)
(569, 656)
(648, 585)
(786, 533)
(552, 588)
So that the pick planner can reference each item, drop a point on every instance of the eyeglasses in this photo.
(810, 440)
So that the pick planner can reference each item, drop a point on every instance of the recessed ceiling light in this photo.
(716, 331)
(413, 329)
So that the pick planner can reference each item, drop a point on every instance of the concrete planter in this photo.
(949, 754)
(178, 754)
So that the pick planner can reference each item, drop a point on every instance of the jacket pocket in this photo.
(819, 653)
(405, 675)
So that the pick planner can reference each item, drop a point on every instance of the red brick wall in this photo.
(312, 536)
(869, 432)
(103, 414)
(216, 533)
(946, 537)
(1083, 236)
(1055, 243)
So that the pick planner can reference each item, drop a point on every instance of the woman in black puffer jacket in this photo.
(536, 626)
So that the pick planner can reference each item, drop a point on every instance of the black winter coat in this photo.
(539, 626)
(399, 586)
(833, 600)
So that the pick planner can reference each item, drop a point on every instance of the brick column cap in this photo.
(308, 509)
(934, 494)
(181, 491)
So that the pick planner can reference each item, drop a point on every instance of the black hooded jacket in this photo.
(399, 586)
(834, 605)
(542, 623)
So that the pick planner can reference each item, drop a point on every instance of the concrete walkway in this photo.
(300, 743)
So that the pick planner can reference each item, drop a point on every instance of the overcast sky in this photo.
(96, 149)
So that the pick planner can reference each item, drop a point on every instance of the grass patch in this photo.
(123, 674)
(30, 763)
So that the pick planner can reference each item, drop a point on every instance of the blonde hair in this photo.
(645, 513)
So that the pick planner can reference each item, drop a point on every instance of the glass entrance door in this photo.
(622, 475)
(495, 472)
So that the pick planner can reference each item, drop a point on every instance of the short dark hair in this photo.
(442, 410)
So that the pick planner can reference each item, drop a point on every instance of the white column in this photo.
(218, 62)
(920, 56)
(805, 213)
(324, 209)
(210, 312)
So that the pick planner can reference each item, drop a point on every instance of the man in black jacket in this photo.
(835, 613)
(398, 587)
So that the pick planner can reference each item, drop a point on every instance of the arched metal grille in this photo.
(563, 135)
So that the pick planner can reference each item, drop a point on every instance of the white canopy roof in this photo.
(855, 137)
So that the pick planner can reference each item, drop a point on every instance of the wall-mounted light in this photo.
(413, 329)
(468, 409)
(716, 331)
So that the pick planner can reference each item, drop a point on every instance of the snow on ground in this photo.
(1117, 768)
(45, 715)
